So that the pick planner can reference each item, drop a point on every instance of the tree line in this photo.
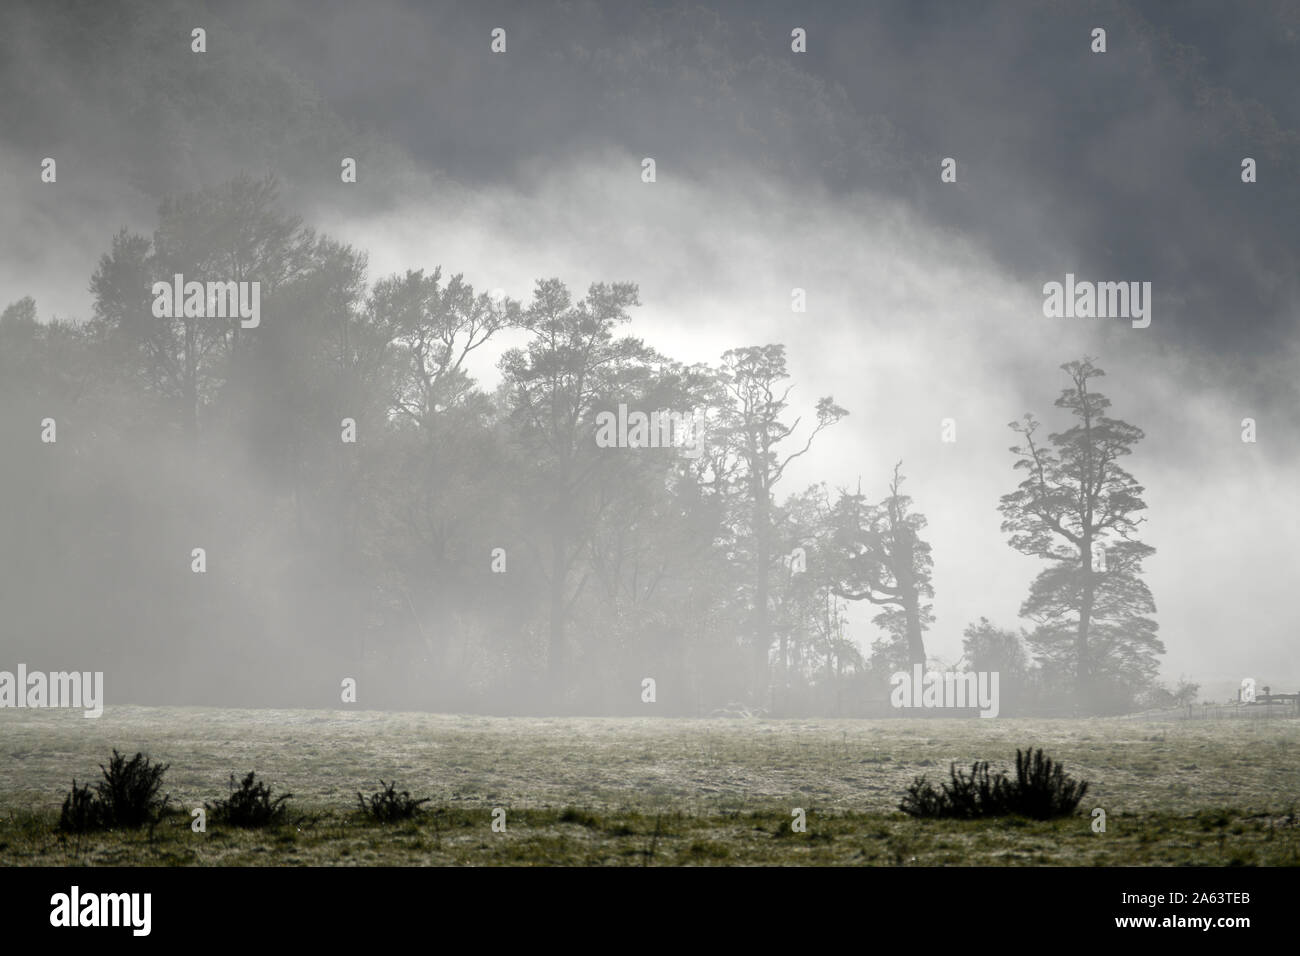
(368, 510)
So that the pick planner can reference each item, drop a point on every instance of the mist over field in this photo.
(688, 433)
(471, 544)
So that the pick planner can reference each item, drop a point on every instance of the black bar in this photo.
(337, 906)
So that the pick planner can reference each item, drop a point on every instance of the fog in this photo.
(774, 171)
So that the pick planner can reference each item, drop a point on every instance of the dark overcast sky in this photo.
(1133, 155)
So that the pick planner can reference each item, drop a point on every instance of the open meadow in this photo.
(652, 791)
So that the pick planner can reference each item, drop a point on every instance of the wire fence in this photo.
(1264, 707)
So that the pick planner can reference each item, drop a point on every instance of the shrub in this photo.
(126, 797)
(582, 817)
(1041, 790)
(80, 811)
(388, 804)
(128, 794)
(250, 805)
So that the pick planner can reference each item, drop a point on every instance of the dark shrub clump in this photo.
(251, 805)
(389, 804)
(126, 797)
(80, 813)
(1041, 790)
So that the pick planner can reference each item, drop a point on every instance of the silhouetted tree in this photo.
(556, 384)
(1077, 508)
(753, 378)
(879, 557)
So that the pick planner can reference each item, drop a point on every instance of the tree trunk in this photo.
(912, 615)
(1083, 667)
(904, 561)
(555, 661)
(762, 626)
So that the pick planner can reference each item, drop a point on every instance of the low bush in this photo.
(251, 805)
(80, 812)
(1041, 790)
(388, 804)
(126, 797)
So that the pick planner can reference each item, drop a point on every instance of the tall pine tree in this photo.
(1078, 509)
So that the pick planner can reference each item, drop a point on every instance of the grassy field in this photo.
(658, 792)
